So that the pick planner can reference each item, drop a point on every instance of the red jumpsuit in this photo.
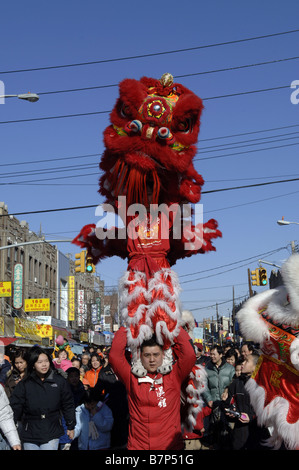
(149, 298)
(154, 400)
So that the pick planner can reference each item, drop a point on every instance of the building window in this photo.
(9, 259)
(16, 254)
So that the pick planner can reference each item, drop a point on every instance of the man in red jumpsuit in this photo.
(154, 400)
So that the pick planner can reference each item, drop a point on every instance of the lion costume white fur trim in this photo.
(282, 307)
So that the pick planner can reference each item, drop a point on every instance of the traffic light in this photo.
(263, 277)
(255, 278)
(89, 266)
(80, 262)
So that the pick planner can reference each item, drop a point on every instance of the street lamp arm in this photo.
(8, 96)
(267, 262)
(33, 243)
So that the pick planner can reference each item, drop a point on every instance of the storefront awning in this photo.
(7, 340)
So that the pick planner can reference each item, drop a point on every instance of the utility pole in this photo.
(249, 284)
(218, 326)
(233, 315)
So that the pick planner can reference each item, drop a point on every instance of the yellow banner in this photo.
(5, 289)
(37, 305)
(26, 329)
(71, 291)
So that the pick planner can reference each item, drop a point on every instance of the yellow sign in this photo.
(37, 305)
(71, 291)
(26, 329)
(5, 289)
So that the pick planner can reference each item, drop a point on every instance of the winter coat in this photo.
(218, 378)
(38, 405)
(7, 424)
(97, 437)
(244, 435)
(5, 367)
(13, 377)
(117, 400)
(65, 364)
(154, 400)
(92, 376)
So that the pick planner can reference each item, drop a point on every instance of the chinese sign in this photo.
(94, 314)
(18, 286)
(5, 289)
(81, 308)
(71, 289)
(37, 305)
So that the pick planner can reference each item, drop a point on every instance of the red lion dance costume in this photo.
(150, 145)
(272, 320)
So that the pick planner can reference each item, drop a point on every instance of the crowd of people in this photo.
(227, 420)
(63, 401)
(57, 400)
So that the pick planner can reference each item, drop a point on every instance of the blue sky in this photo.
(50, 34)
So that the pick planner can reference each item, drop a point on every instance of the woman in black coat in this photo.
(39, 400)
(246, 434)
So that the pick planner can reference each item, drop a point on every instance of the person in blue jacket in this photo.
(94, 421)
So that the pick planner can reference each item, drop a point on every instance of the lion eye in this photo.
(125, 111)
(184, 126)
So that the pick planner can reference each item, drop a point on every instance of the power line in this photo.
(249, 186)
(114, 85)
(52, 159)
(199, 148)
(73, 157)
(252, 202)
(55, 117)
(245, 143)
(141, 56)
(203, 192)
(249, 133)
(230, 95)
(245, 151)
(267, 253)
(96, 164)
(217, 303)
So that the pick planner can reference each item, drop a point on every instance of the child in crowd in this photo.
(62, 361)
(94, 421)
(238, 367)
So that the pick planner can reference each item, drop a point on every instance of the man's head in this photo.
(247, 349)
(73, 376)
(151, 355)
(216, 354)
(249, 363)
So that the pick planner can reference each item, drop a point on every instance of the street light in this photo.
(32, 97)
(286, 222)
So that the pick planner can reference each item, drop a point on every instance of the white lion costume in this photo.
(197, 381)
(272, 320)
